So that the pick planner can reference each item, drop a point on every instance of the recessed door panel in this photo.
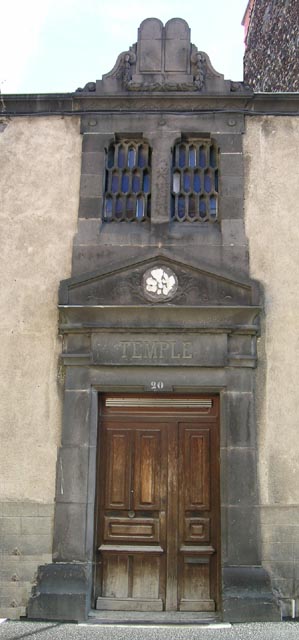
(196, 468)
(118, 463)
(147, 483)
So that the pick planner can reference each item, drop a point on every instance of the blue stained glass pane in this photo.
(130, 208)
(202, 157)
(125, 183)
(216, 181)
(140, 208)
(136, 183)
(119, 208)
(108, 208)
(181, 207)
(213, 206)
(110, 159)
(192, 207)
(182, 156)
(146, 182)
(208, 183)
(196, 183)
(192, 157)
(142, 156)
(187, 181)
(131, 157)
(172, 206)
(121, 157)
(213, 157)
(176, 183)
(202, 208)
(114, 185)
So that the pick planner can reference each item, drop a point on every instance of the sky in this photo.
(55, 46)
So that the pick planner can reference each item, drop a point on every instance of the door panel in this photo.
(158, 506)
(196, 548)
(118, 469)
(132, 521)
(195, 471)
(147, 486)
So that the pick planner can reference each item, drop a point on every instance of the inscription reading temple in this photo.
(156, 350)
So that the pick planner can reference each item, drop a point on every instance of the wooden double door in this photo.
(157, 525)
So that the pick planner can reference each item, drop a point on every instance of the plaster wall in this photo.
(39, 186)
(271, 146)
(40, 172)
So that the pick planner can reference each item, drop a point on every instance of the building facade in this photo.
(148, 465)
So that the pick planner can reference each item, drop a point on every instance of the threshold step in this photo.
(151, 618)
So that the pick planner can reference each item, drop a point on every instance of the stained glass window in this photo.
(195, 181)
(127, 182)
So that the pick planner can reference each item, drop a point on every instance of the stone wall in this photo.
(40, 174)
(271, 61)
(271, 208)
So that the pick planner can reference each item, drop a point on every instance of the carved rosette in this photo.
(159, 284)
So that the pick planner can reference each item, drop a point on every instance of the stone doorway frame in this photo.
(224, 342)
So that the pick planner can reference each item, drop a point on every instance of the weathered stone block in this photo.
(247, 595)
(62, 592)
(239, 417)
(10, 525)
(232, 186)
(76, 426)
(233, 232)
(243, 536)
(90, 207)
(229, 142)
(35, 525)
(93, 163)
(231, 164)
(69, 542)
(231, 207)
(72, 470)
(239, 485)
(91, 186)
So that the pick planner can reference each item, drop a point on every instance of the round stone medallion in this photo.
(159, 283)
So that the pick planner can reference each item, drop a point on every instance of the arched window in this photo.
(195, 189)
(127, 182)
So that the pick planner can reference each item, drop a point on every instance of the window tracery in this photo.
(195, 177)
(127, 182)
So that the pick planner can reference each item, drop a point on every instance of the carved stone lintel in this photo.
(161, 86)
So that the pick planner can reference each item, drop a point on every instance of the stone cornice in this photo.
(211, 319)
(81, 103)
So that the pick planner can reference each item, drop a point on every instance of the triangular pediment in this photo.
(156, 279)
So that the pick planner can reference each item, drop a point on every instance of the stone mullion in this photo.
(161, 180)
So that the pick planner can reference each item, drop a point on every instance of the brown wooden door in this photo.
(158, 504)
